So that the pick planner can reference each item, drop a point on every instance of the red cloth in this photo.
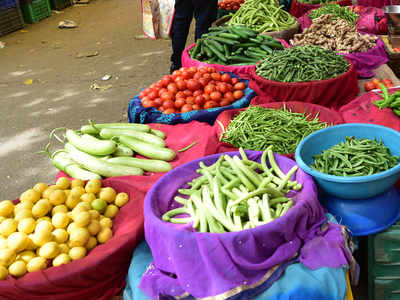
(375, 3)
(333, 93)
(102, 273)
(98, 276)
(362, 110)
(298, 9)
(242, 71)
(325, 115)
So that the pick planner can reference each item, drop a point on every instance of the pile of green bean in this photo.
(263, 16)
(337, 12)
(301, 64)
(355, 157)
(258, 127)
(314, 1)
(234, 194)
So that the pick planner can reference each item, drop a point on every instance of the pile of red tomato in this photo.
(192, 89)
(230, 4)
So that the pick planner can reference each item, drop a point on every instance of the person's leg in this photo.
(205, 12)
(180, 30)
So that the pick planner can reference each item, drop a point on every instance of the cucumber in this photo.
(108, 133)
(225, 40)
(151, 165)
(215, 44)
(274, 44)
(243, 59)
(207, 50)
(99, 166)
(95, 128)
(158, 133)
(231, 36)
(122, 150)
(237, 31)
(90, 144)
(219, 54)
(266, 48)
(195, 49)
(146, 149)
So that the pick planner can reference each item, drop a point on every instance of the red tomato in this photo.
(237, 94)
(188, 93)
(224, 102)
(211, 70)
(235, 80)
(158, 84)
(206, 97)
(207, 76)
(210, 104)
(179, 103)
(197, 76)
(180, 94)
(142, 94)
(190, 100)
(202, 70)
(193, 84)
(161, 91)
(192, 69)
(216, 96)
(157, 102)
(239, 86)
(203, 81)
(196, 107)
(186, 108)
(166, 79)
(152, 95)
(197, 92)
(161, 108)
(199, 100)
(172, 87)
(168, 104)
(147, 103)
(175, 74)
(209, 88)
(181, 85)
(222, 87)
(178, 79)
(145, 98)
(167, 96)
(386, 81)
(216, 76)
(226, 78)
(186, 75)
(369, 86)
(229, 96)
(376, 81)
(169, 111)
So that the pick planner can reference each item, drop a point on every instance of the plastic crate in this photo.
(10, 16)
(36, 10)
(60, 4)
(384, 264)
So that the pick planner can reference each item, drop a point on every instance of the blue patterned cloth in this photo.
(139, 114)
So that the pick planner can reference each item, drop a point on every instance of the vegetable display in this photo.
(336, 35)
(314, 1)
(234, 194)
(302, 63)
(263, 16)
(54, 225)
(374, 84)
(355, 157)
(389, 101)
(233, 45)
(257, 127)
(106, 150)
(230, 4)
(192, 89)
(337, 12)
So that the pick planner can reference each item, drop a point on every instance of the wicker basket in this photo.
(394, 57)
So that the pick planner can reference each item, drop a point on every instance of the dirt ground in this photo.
(60, 94)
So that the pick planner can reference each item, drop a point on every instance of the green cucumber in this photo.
(95, 128)
(225, 40)
(109, 133)
(90, 144)
(150, 165)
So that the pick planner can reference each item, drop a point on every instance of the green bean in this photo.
(301, 64)
(337, 12)
(355, 157)
(257, 127)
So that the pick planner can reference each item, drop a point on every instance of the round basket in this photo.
(286, 34)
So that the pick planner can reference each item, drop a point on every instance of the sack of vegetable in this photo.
(201, 248)
(299, 7)
(190, 94)
(86, 262)
(339, 34)
(308, 74)
(232, 49)
(264, 123)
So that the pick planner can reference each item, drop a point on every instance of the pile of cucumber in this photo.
(107, 150)
(233, 45)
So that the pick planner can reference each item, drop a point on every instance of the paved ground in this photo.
(60, 94)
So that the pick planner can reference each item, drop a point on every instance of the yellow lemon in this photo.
(79, 237)
(36, 264)
(63, 183)
(63, 248)
(121, 199)
(41, 238)
(94, 227)
(17, 241)
(94, 214)
(44, 226)
(17, 269)
(57, 197)
(26, 256)
(93, 186)
(61, 259)
(88, 197)
(71, 227)
(72, 201)
(77, 182)
(22, 206)
(3, 273)
(59, 209)
(30, 195)
(82, 219)
(60, 235)
(26, 225)
(92, 242)
(104, 235)
(8, 226)
(3, 242)
(107, 194)
(77, 252)
(7, 257)
(41, 208)
(49, 250)
(77, 191)
(40, 187)
(60, 220)
(111, 211)
(6, 208)
(106, 222)
(46, 193)
(23, 214)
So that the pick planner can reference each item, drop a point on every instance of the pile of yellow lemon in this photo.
(57, 223)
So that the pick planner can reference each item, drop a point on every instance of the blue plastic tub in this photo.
(358, 187)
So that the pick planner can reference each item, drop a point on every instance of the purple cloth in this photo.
(207, 264)
(366, 62)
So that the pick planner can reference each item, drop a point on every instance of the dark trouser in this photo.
(204, 11)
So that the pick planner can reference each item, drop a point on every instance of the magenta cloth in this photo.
(242, 71)
(366, 62)
(209, 264)
(374, 3)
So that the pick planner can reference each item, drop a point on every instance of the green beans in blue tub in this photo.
(355, 157)
(139, 114)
